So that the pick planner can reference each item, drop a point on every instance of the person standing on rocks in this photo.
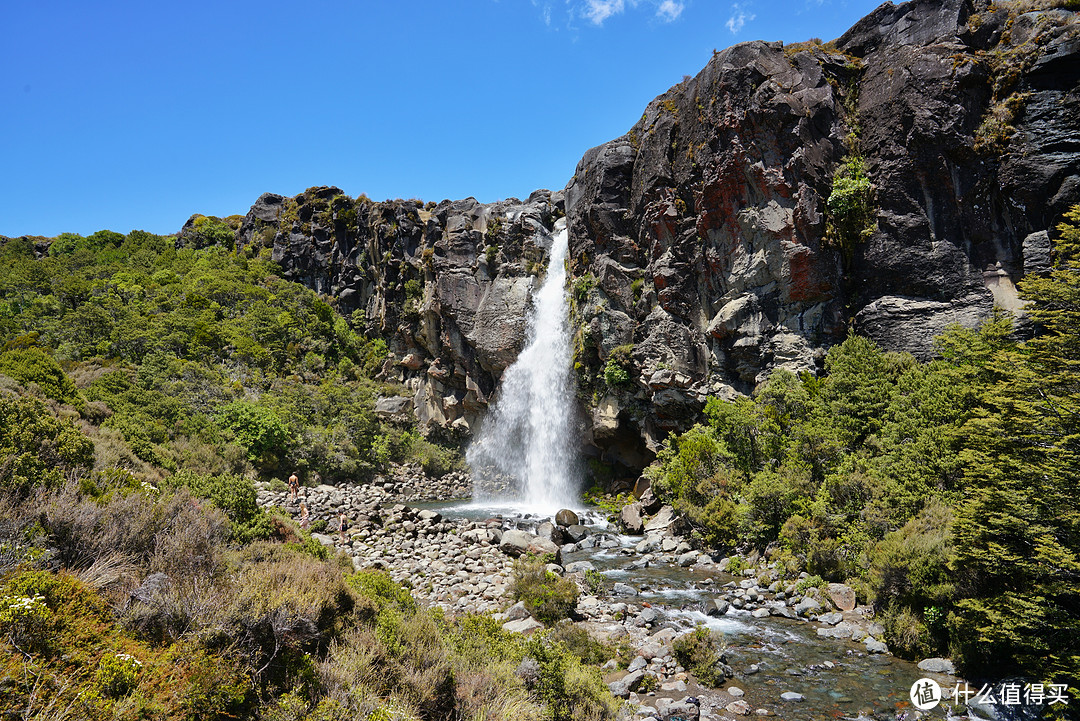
(304, 519)
(343, 524)
(294, 487)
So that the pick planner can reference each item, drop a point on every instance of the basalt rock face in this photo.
(448, 286)
(702, 249)
(698, 239)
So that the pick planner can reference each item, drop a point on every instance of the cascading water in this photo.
(526, 435)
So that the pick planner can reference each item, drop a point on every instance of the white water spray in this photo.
(526, 435)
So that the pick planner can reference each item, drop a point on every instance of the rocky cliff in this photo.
(891, 182)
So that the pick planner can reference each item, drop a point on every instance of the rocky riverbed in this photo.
(789, 643)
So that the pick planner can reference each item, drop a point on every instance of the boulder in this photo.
(830, 619)
(524, 626)
(517, 612)
(937, 665)
(576, 533)
(515, 542)
(716, 607)
(566, 517)
(739, 708)
(842, 595)
(630, 518)
(875, 646)
(807, 606)
(664, 519)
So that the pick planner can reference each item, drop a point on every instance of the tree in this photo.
(1017, 533)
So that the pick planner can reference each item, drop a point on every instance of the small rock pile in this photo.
(408, 482)
(456, 565)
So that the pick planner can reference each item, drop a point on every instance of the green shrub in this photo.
(614, 374)
(579, 642)
(702, 651)
(33, 365)
(568, 689)
(911, 565)
(117, 674)
(849, 207)
(23, 618)
(37, 448)
(236, 496)
(258, 430)
(547, 597)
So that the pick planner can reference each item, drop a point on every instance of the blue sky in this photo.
(134, 115)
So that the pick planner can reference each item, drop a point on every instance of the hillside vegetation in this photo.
(143, 387)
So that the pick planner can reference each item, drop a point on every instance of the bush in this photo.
(547, 597)
(702, 651)
(569, 690)
(36, 448)
(911, 565)
(236, 496)
(614, 374)
(579, 642)
(33, 365)
(117, 674)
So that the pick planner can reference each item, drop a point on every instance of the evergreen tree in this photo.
(1017, 533)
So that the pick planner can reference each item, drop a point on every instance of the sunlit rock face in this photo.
(697, 252)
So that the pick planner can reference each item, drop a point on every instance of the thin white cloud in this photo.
(669, 10)
(597, 11)
(739, 18)
(545, 11)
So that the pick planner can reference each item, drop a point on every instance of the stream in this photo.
(772, 655)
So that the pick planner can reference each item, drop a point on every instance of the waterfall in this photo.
(526, 435)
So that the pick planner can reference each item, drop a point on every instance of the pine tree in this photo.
(1017, 532)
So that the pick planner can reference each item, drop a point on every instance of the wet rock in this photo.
(716, 607)
(623, 589)
(843, 630)
(735, 691)
(630, 518)
(739, 708)
(792, 696)
(566, 517)
(576, 533)
(875, 646)
(580, 567)
(807, 606)
(937, 665)
(831, 619)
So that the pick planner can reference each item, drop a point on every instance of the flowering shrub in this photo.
(22, 618)
(118, 674)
